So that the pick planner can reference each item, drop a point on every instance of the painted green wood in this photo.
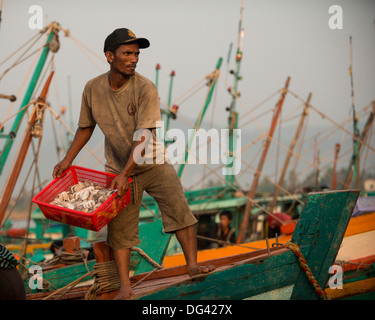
(235, 283)
(154, 242)
(61, 277)
(329, 215)
(318, 233)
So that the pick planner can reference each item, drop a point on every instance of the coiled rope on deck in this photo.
(107, 278)
(105, 275)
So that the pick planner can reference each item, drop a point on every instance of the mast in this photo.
(305, 112)
(17, 122)
(11, 183)
(254, 185)
(169, 112)
(212, 84)
(334, 175)
(157, 68)
(233, 115)
(362, 139)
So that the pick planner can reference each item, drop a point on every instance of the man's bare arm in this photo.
(81, 137)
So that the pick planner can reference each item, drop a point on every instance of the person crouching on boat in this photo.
(223, 231)
(125, 105)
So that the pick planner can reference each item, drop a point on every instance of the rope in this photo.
(324, 116)
(105, 274)
(107, 278)
(146, 256)
(303, 264)
(66, 258)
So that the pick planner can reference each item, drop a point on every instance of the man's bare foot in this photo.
(200, 269)
(124, 293)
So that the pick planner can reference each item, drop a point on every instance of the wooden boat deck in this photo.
(174, 275)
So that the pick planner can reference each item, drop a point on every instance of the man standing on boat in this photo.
(125, 105)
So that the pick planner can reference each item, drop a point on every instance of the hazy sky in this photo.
(282, 38)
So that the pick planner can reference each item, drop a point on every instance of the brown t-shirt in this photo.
(119, 113)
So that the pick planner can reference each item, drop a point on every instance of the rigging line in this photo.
(249, 199)
(17, 152)
(26, 76)
(271, 138)
(55, 138)
(69, 35)
(17, 62)
(211, 124)
(98, 146)
(256, 118)
(262, 102)
(278, 148)
(281, 188)
(71, 131)
(300, 143)
(190, 95)
(204, 177)
(366, 155)
(188, 91)
(262, 175)
(148, 209)
(50, 64)
(36, 158)
(12, 54)
(330, 132)
(15, 114)
(324, 116)
(265, 177)
(9, 213)
(89, 57)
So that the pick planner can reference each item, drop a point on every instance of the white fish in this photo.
(84, 196)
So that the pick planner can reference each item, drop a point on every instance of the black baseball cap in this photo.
(124, 36)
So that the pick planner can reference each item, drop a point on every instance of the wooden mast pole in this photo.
(11, 183)
(254, 185)
(305, 112)
(363, 136)
(334, 176)
(33, 82)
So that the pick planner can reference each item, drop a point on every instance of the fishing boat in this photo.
(250, 208)
(295, 270)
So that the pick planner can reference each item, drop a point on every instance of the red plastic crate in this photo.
(91, 221)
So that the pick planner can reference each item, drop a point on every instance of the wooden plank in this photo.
(235, 281)
(329, 216)
(175, 274)
(352, 289)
